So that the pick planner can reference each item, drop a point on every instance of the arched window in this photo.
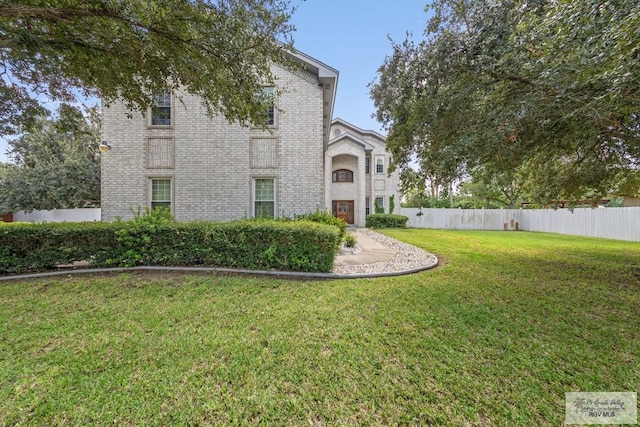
(343, 175)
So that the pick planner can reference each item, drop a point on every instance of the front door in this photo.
(343, 209)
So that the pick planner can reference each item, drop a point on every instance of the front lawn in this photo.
(495, 335)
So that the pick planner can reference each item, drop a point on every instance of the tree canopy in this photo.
(544, 90)
(221, 50)
(56, 164)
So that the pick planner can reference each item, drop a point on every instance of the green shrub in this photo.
(150, 240)
(155, 216)
(138, 238)
(350, 241)
(245, 244)
(28, 247)
(324, 217)
(386, 221)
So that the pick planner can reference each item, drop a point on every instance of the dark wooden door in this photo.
(343, 209)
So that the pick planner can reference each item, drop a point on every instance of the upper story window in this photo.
(367, 165)
(343, 175)
(268, 94)
(161, 110)
(379, 164)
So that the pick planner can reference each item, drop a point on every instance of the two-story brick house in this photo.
(207, 169)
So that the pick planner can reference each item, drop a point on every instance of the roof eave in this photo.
(328, 80)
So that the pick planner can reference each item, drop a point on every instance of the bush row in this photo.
(245, 244)
(322, 217)
(26, 247)
(386, 221)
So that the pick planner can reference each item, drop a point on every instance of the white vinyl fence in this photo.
(463, 219)
(610, 223)
(58, 215)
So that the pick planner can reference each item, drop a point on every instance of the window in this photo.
(161, 110)
(264, 198)
(379, 204)
(367, 165)
(268, 96)
(379, 164)
(160, 193)
(367, 207)
(343, 175)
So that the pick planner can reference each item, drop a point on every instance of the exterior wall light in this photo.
(104, 147)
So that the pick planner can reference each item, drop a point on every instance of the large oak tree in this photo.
(544, 89)
(56, 164)
(59, 50)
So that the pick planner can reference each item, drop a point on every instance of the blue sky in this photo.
(351, 36)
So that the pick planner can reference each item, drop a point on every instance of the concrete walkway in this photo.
(370, 253)
(379, 255)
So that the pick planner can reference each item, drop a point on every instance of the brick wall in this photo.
(212, 163)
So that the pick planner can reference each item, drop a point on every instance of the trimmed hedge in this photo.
(324, 217)
(386, 221)
(245, 244)
(28, 247)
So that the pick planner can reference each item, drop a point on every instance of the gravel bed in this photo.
(346, 250)
(407, 257)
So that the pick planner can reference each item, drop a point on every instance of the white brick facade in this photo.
(213, 164)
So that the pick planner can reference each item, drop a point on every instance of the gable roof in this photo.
(351, 137)
(357, 130)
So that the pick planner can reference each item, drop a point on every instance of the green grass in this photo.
(496, 335)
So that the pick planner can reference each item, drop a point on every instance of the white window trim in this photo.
(253, 195)
(381, 158)
(275, 107)
(172, 112)
(171, 190)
